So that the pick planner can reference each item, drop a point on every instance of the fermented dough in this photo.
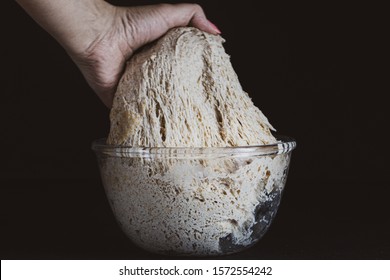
(182, 91)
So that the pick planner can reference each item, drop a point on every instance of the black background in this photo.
(318, 81)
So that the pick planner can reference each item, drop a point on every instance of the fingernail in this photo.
(215, 28)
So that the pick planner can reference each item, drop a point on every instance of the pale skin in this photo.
(100, 37)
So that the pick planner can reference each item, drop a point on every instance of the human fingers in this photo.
(147, 23)
(188, 14)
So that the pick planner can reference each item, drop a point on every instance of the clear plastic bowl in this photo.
(194, 201)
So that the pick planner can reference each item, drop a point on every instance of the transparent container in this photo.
(194, 201)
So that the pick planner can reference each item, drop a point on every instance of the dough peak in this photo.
(182, 91)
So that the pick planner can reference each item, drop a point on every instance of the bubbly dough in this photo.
(183, 92)
(195, 206)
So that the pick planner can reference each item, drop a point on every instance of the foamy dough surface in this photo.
(183, 92)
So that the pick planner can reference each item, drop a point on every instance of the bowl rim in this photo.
(283, 145)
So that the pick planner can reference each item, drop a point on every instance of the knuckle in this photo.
(197, 8)
(164, 6)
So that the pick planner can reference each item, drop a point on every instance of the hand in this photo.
(100, 37)
(102, 56)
